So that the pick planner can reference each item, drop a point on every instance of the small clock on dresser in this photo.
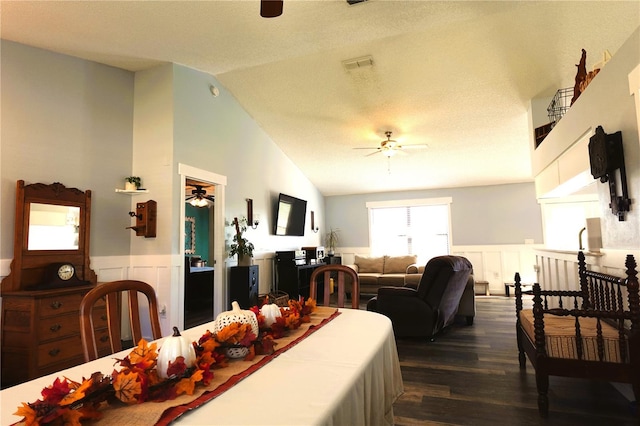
(61, 274)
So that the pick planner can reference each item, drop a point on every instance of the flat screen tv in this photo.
(291, 213)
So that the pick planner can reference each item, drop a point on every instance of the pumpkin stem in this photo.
(176, 332)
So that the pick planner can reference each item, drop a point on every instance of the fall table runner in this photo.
(163, 413)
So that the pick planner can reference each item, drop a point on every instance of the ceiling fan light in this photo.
(389, 152)
(199, 202)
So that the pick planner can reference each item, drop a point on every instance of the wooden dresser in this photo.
(50, 273)
(41, 332)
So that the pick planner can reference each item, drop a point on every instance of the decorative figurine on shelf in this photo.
(241, 246)
(581, 76)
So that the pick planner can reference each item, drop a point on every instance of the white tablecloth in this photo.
(346, 373)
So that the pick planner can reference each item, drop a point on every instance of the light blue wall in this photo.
(70, 121)
(217, 135)
(483, 215)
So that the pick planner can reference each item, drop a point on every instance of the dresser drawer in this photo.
(59, 350)
(58, 327)
(68, 325)
(58, 305)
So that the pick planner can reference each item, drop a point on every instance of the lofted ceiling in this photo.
(454, 75)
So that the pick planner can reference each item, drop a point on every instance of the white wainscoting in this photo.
(559, 269)
(496, 264)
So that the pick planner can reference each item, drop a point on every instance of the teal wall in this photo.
(201, 216)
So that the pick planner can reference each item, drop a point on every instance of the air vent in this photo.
(352, 2)
(361, 62)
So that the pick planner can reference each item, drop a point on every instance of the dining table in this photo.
(346, 372)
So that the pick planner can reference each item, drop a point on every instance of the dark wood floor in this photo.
(470, 376)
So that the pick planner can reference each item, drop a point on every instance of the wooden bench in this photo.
(592, 333)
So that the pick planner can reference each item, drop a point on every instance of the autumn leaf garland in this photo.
(69, 402)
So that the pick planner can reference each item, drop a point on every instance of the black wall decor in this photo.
(606, 156)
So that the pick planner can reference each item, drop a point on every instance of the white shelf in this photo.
(132, 192)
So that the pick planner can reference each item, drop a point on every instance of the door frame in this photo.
(219, 274)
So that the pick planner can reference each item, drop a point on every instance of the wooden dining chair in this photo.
(111, 294)
(324, 273)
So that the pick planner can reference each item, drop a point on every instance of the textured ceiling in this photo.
(456, 76)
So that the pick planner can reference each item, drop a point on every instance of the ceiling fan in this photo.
(199, 197)
(390, 147)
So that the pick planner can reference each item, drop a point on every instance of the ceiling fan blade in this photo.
(376, 152)
(415, 146)
(271, 8)
(367, 147)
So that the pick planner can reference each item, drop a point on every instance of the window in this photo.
(420, 227)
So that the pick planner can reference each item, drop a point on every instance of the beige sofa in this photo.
(384, 271)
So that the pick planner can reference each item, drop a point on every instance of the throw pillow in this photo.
(369, 264)
(398, 264)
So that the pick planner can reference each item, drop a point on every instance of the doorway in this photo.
(203, 281)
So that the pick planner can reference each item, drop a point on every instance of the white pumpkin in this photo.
(173, 347)
(270, 312)
(236, 314)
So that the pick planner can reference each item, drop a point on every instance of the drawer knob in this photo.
(104, 338)
(103, 317)
(54, 352)
(55, 327)
(56, 305)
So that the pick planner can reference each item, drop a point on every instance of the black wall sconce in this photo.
(606, 156)
(314, 228)
(253, 222)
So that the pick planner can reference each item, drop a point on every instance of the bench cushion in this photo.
(560, 337)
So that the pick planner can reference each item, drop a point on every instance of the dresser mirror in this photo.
(53, 227)
(52, 224)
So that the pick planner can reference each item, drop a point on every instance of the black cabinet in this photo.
(243, 286)
(294, 279)
(198, 296)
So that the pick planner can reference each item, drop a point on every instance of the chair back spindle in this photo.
(111, 293)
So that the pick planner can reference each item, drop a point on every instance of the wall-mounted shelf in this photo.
(127, 191)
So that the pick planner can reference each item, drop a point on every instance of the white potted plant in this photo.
(132, 183)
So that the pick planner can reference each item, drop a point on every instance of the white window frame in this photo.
(411, 203)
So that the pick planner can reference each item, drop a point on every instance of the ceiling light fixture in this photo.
(199, 202)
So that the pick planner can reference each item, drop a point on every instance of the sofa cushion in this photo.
(395, 280)
(369, 264)
(368, 278)
(398, 264)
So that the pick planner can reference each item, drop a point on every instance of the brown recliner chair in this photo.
(425, 311)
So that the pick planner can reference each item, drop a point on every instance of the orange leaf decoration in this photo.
(127, 387)
(79, 393)
(233, 333)
(210, 345)
(188, 385)
(144, 355)
(72, 417)
(28, 413)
